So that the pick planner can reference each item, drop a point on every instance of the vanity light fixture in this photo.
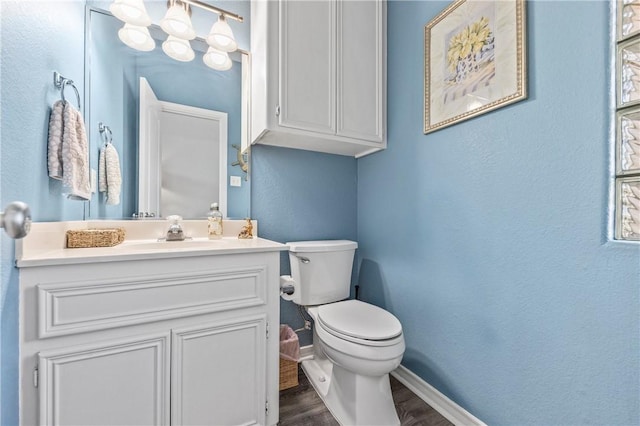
(177, 24)
(136, 37)
(131, 11)
(217, 59)
(177, 21)
(178, 49)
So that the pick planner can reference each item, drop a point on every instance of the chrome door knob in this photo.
(16, 219)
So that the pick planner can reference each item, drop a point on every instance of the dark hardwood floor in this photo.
(301, 406)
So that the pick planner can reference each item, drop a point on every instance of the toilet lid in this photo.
(360, 320)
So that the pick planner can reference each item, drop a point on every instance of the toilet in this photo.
(355, 344)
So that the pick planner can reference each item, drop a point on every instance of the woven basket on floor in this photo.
(288, 374)
(84, 238)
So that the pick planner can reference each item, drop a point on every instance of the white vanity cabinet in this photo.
(319, 75)
(183, 338)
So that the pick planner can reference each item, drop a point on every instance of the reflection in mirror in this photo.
(169, 181)
(114, 72)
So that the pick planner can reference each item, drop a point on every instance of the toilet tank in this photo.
(321, 270)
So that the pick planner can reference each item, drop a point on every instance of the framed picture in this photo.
(475, 60)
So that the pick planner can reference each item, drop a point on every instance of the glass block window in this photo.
(627, 147)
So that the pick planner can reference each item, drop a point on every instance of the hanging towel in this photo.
(109, 177)
(54, 152)
(75, 155)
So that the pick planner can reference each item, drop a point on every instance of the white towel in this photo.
(109, 177)
(68, 151)
(54, 152)
(75, 155)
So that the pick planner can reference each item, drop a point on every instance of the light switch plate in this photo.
(235, 181)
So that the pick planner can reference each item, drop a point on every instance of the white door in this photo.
(307, 64)
(361, 63)
(149, 173)
(193, 146)
(123, 382)
(218, 374)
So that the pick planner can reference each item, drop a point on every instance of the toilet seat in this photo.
(359, 322)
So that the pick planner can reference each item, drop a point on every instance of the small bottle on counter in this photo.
(214, 225)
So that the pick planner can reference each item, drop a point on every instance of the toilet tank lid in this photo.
(321, 246)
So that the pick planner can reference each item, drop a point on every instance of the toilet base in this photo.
(352, 399)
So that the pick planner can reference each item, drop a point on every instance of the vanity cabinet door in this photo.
(123, 382)
(219, 373)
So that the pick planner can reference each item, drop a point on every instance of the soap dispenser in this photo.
(214, 225)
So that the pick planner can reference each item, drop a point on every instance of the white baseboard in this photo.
(443, 405)
(306, 352)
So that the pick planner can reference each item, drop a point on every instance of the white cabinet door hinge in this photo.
(35, 377)
(266, 407)
(267, 329)
(277, 110)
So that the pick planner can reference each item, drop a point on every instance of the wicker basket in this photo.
(84, 238)
(288, 374)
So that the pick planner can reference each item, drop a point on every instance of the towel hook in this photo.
(103, 131)
(62, 82)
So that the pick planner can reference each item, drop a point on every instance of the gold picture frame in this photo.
(474, 60)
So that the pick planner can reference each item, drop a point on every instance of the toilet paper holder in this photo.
(286, 285)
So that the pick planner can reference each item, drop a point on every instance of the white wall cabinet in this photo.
(319, 75)
(173, 341)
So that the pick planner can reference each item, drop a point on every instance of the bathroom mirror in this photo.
(113, 75)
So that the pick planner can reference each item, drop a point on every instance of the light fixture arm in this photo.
(214, 9)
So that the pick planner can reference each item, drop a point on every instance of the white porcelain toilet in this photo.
(356, 344)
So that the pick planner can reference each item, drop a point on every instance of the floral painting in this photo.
(470, 59)
(474, 60)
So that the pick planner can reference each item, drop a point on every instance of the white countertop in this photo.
(45, 246)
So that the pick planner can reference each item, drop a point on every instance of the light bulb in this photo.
(217, 59)
(221, 36)
(177, 23)
(131, 12)
(136, 37)
(178, 49)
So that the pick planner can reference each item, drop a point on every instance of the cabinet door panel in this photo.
(361, 68)
(117, 383)
(307, 65)
(218, 373)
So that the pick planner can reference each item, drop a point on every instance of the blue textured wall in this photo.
(302, 195)
(495, 258)
(35, 42)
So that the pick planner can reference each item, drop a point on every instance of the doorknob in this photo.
(16, 219)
